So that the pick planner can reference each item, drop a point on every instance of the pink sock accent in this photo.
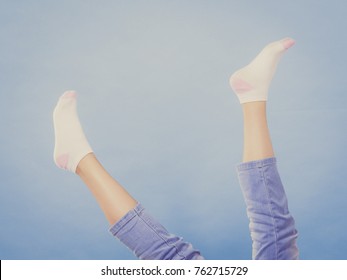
(239, 85)
(69, 94)
(62, 161)
(287, 43)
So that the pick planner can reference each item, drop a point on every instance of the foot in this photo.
(71, 144)
(252, 82)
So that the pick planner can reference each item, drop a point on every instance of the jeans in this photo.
(271, 226)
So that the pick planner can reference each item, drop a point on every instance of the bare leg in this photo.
(257, 142)
(112, 198)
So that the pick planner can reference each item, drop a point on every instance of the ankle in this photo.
(85, 163)
(256, 107)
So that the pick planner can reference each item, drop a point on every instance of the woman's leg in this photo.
(271, 225)
(129, 221)
(257, 141)
(112, 198)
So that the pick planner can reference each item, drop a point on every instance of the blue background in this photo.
(156, 106)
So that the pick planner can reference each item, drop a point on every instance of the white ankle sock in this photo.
(252, 82)
(71, 144)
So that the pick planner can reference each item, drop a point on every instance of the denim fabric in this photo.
(271, 225)
(149, 240)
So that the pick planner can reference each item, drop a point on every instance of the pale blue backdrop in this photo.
(155, 103)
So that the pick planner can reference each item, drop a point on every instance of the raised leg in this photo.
(72, 152)
(112, 198)
(129, 221)
(271, 225)
(257, 142)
